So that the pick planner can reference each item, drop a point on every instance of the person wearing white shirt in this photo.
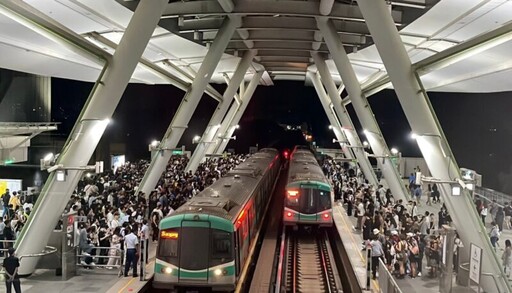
(144, 238)
(131, 244)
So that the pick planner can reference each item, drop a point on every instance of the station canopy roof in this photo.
(458, 45)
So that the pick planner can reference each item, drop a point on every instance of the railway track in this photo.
(308, 263)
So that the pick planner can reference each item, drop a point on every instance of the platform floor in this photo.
(96, 280)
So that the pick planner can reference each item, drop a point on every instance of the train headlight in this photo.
(168, 270)
(219, 272)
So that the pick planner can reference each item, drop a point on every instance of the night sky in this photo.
(476, 125)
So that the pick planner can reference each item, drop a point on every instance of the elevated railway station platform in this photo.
(353, 242)
(345, 50)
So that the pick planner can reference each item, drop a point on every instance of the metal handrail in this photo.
(465, 267)
(490, 195)
(120, 257)
(48, 250)
(385, 278)
(51, 250)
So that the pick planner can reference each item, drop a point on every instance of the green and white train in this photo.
(206, 242)
(309, 196)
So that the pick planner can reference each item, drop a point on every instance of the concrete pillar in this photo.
(214, 124)
(350, 131)
(246, 98)
(331, 115)
(430, 138)
(363, 110)
(88, 131)
(188, 105)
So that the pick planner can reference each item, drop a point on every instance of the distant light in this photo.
(218, 272)
(456, 190)
(48, 157)
(237, 126)
(168, 270)
(331, 127)
(366, 132)
(88, 175)
(154, 143)
(196, 139)
(394, 151)
(365, 143)
(107, 121)
(414, 135)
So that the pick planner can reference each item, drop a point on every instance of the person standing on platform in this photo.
(156, 216)
(494, 235)
(507, 258)
(5, 200)
(377, 252)
(144, 238)
(131, 244)
(11, 265)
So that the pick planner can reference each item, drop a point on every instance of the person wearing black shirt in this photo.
(11, 264)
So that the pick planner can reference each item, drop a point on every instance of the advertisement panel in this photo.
(11, 184)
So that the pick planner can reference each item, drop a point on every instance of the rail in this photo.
(387, 283)
(309, 267)
(492, 195)
(80, 256)
(465, 267)
(47, 251)
(277, 287)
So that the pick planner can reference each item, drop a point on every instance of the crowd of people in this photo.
(16, 211)
(112, 208)
(395, 231)
(109, 207)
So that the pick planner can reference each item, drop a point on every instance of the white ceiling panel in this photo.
(42, 64)
(70, 14)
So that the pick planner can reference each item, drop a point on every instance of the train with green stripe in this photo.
(309, 195)
(207, 241)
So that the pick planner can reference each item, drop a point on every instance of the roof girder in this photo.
(270, 8)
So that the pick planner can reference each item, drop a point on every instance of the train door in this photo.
(194, 251)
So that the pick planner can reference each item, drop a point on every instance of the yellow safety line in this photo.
(134, 278)
(375, 283)
(127, 284)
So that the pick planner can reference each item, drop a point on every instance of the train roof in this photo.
(226, 196)
(304, 167)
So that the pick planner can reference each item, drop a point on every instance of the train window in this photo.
(168, 246)
(324, 200)
(221, 244)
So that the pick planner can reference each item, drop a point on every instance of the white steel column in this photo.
(431, 139)
(214, 124)
(336, 125)
(362, 107)
(246, 98)
(341, 111)
(87, 131)
(188, 105)
(225, 124)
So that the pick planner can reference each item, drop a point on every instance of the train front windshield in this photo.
(195, 248)
(310, 201)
